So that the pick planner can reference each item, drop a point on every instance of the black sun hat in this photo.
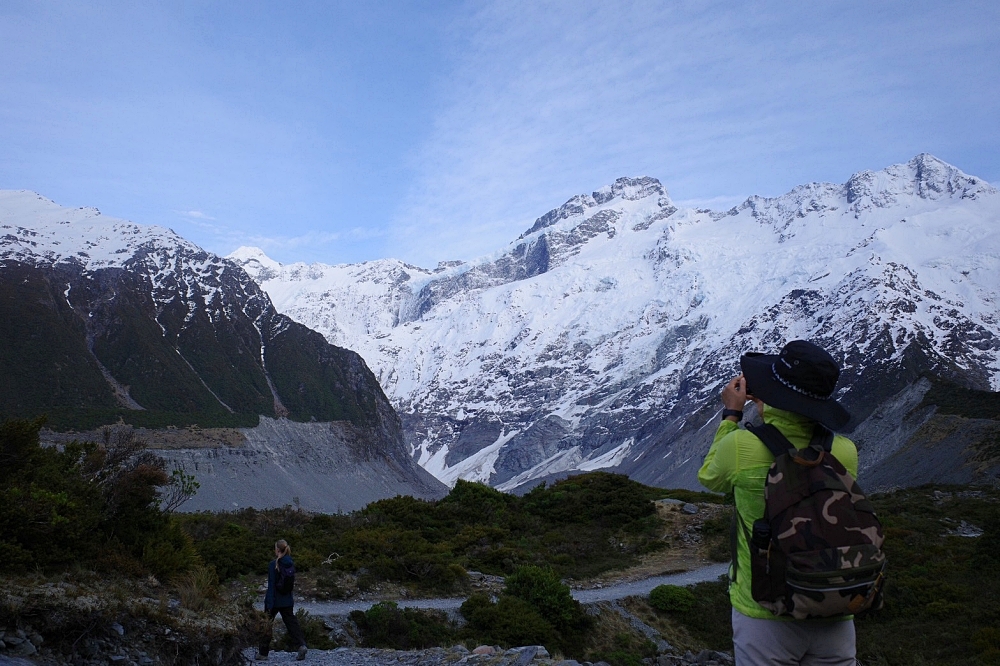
(800, 379)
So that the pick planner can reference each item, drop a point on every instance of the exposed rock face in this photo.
(323, 467)
(611, 352)
(907, 443)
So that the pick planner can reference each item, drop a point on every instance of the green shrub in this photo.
(551, 598)
(547, 594)
(710, 618)
(93, 504)
(170, 553)
(428, 546)
(386, 625)
(671, 599)
(328, 586)
(233, 549)
(509, 622)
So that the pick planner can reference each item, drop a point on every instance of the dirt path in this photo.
(609, 593)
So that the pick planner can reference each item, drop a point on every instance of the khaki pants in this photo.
(759, 642)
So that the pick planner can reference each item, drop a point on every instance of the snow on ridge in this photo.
(924, 177)
(630, 301)
(36, 229)
(637, 294)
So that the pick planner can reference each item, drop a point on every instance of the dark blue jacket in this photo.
(272, 599)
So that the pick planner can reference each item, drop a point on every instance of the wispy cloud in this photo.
(285, 245)
(548, 100)
(195, 214)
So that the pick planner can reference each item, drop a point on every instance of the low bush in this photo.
(385, 625)
(671, 599)
(942, 594)
(536, 608)
(547, 594)
(709, 619)
(579, 527)
(508, 622)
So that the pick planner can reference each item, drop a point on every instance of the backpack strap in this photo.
(775, 442)
(822, 437)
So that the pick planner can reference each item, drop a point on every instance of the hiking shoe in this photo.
(261, 657)
(302, 653)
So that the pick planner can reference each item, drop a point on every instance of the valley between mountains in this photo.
(599, 338)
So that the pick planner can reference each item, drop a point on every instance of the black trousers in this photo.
(291, 623)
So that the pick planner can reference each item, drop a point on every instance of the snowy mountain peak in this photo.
(923, 183)
(925, 176)
(598, 337)
(249, 253)
(624, 189)
(630, 189)
(253, 260)
(36, 230)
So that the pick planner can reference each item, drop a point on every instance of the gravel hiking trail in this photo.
(592, 595)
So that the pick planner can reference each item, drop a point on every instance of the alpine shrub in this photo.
(386, 625)
(508, 622)
(671, 599)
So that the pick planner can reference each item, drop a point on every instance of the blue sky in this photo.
(427, 131)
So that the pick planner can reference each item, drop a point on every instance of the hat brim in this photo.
(762, 384)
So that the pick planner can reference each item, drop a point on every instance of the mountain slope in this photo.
(102, 319)
(602, 335)
(149, 321)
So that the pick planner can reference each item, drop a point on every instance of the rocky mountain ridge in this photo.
(104, 320)
(600, 337)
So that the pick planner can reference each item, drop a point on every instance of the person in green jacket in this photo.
(793, 390)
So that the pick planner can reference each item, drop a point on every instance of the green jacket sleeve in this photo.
(721, 462)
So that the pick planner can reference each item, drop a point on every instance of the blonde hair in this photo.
(283, 549)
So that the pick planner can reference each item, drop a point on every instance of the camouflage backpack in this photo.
(818, 550)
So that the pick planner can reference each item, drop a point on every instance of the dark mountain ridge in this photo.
(103, 321)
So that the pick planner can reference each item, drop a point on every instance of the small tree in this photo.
(87, 503)
(181, 487)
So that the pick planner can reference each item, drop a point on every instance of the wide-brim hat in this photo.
(801, 378)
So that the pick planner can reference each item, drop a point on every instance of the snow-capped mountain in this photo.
(102, 319)
(601, 336)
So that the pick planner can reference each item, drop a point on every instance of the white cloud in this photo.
(311, 239)
(196, 214)
(548, 100)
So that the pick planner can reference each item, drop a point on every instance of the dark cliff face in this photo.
(88, 347)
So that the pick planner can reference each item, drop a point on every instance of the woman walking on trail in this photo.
(280, 578)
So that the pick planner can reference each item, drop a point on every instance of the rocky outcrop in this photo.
(323, 467)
